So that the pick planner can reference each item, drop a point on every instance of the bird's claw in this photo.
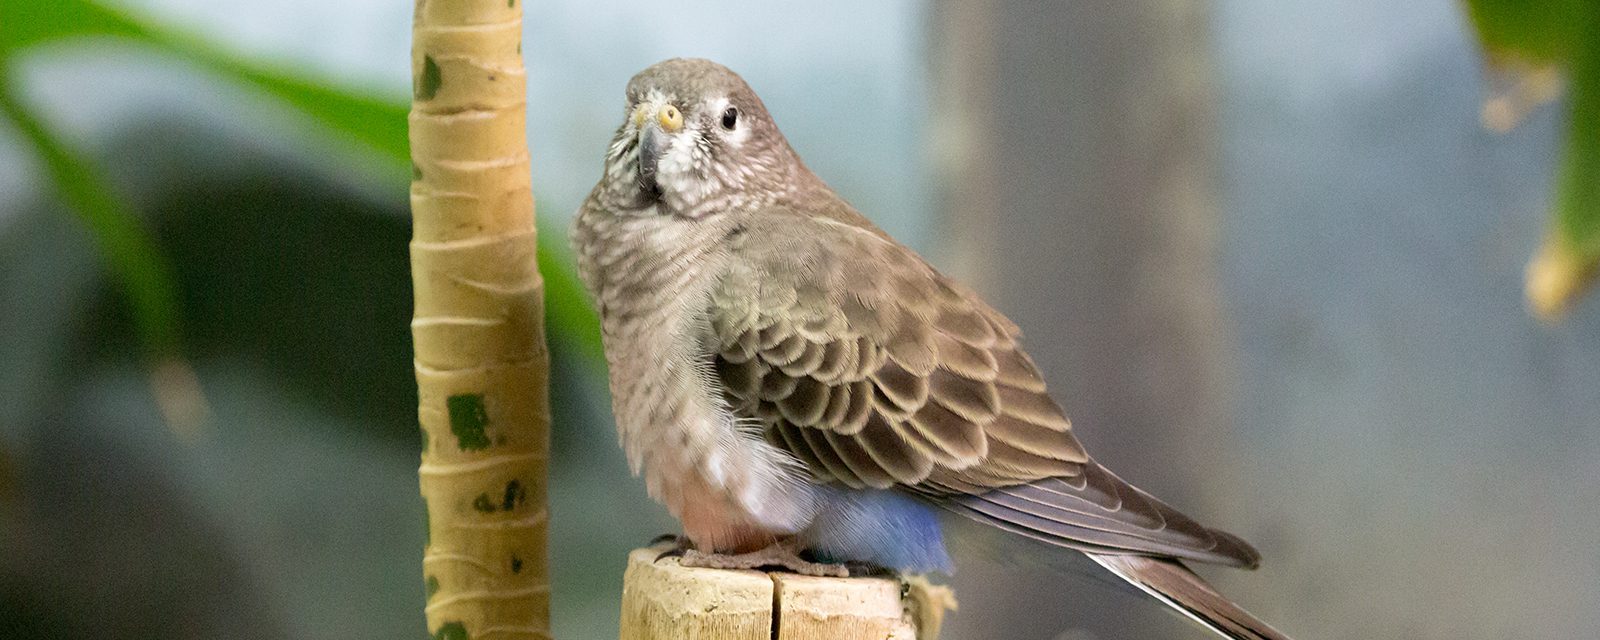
(867, 569)
(775, 556)
(665, 537)
(680, 544)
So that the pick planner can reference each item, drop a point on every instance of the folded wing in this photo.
(876, 371)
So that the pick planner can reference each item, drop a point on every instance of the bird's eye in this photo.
(730, 117)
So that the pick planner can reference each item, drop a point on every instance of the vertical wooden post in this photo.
(481, 362)
(662, 600)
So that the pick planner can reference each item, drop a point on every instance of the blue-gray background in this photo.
(1416, 457)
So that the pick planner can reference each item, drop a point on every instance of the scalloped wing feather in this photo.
(876, 371)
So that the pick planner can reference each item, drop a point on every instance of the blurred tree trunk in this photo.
(481, 361)
(1079, 145)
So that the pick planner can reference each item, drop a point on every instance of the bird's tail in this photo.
(1171, 582)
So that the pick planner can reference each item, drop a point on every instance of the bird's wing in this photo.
(876, 371)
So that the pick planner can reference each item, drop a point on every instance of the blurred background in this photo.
(1265, 251)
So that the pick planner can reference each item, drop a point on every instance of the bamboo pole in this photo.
(481, 362)
(662, 600)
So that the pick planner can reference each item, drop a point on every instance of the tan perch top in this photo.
(666, 601)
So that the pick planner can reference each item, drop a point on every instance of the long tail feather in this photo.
(1174, 584)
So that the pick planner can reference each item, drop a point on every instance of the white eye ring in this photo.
(730, 118)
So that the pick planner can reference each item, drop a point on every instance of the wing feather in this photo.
(876, 371)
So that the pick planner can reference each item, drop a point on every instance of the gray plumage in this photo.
(777, 362)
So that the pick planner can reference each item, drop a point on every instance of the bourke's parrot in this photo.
(790, 380)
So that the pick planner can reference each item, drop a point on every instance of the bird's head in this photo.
(695, 140)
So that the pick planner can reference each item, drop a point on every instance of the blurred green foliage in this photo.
(1565, 33)
(1543, 30)
(293, 512)
(376, 122)
(127, 246)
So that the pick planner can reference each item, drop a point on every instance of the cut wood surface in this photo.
(663, 600)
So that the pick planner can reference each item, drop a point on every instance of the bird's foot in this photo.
(774, 556)
(678, 545)
(867, 569)
(667, 537)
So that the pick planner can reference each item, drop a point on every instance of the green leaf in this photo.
(30, 23)
(1564, 33)
(1566, 266)
(1540, 30)
(567, 309)
(1578, 196)
(378, 122)
(127, 246)
(1554, 284)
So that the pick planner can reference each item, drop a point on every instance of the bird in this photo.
(802, 391)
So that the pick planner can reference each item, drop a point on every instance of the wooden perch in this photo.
(662, 600)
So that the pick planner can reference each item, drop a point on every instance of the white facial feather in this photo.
(691, 178)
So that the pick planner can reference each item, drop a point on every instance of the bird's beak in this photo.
(655, 122)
